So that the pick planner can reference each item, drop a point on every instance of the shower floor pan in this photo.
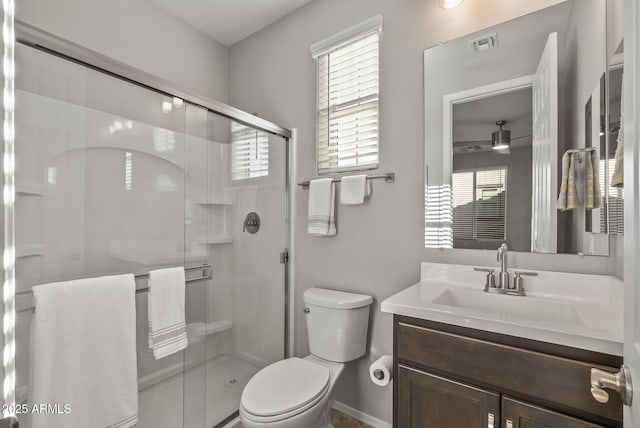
(181, 401)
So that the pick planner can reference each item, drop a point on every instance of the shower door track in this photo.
(31, 36)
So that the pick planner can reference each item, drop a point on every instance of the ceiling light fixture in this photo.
(450, 4)
(501, 139)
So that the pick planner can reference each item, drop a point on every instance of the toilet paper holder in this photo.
(381, 370)
(379, 374)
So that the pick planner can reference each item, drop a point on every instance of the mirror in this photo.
(614, 202)
(595, 139)
(518, 143)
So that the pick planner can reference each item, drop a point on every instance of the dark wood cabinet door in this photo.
(429, 401)
(517, 414)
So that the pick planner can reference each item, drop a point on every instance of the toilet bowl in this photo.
(299, 392)
(292, 393)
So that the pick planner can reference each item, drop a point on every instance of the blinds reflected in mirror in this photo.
(479, 204)
(613, 200)
(249, 152)
(437, 217)
(347, 131)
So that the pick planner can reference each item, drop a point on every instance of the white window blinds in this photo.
(613, 201)
(249, 152)
(479, 204)
(347, 111)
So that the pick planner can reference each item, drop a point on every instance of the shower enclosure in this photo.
(119, 172)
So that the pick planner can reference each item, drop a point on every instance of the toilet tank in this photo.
(337, 323)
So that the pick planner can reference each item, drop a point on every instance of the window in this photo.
(479, 204)
(249, 152)
(347, 110)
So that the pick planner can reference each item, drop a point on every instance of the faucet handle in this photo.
(520, 272)
(491, 279)
(518, 288)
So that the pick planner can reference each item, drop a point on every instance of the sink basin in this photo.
(510, 308)
(577, 310)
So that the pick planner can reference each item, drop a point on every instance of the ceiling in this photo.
(229, 21)
(474, 121)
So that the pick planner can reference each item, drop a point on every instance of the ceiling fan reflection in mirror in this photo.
(500, 141)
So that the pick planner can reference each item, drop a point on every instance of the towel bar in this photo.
(389, 177)
(206, 269)
(206, 274)
(582, 150)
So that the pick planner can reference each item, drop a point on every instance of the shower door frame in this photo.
(36, 38)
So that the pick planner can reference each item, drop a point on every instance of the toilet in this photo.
(299, 392)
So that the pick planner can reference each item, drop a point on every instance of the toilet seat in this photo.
(285, 389)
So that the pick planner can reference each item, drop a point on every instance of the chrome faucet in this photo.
(503, 278)
(504, 286)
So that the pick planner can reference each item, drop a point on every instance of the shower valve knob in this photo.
(251, 223)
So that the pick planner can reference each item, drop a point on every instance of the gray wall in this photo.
(137, 33)
(380, 244)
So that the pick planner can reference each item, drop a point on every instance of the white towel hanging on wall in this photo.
(322, 207)
(354, 189)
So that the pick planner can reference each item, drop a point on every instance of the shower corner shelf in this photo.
(213, 328)
(216, 240)
(30, 189)
(29, 250)
(217, 202)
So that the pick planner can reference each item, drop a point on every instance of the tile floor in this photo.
(342, 420)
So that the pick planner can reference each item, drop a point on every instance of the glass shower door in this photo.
(245, 297)
(115, 178)
(101, 190)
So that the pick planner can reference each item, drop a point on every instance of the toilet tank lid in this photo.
(335, 299)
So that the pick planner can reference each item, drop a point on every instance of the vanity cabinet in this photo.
(425, 399)
(457, 377)
(517, 414)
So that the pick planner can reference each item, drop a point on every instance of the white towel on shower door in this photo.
(83, 353)
(167, 327)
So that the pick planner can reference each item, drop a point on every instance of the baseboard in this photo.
(361, 416)
(252, 359)
(234, 423)
(357, 414)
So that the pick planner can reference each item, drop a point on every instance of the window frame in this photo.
(326, 47)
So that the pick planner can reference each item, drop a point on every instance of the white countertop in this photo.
(576, 310)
